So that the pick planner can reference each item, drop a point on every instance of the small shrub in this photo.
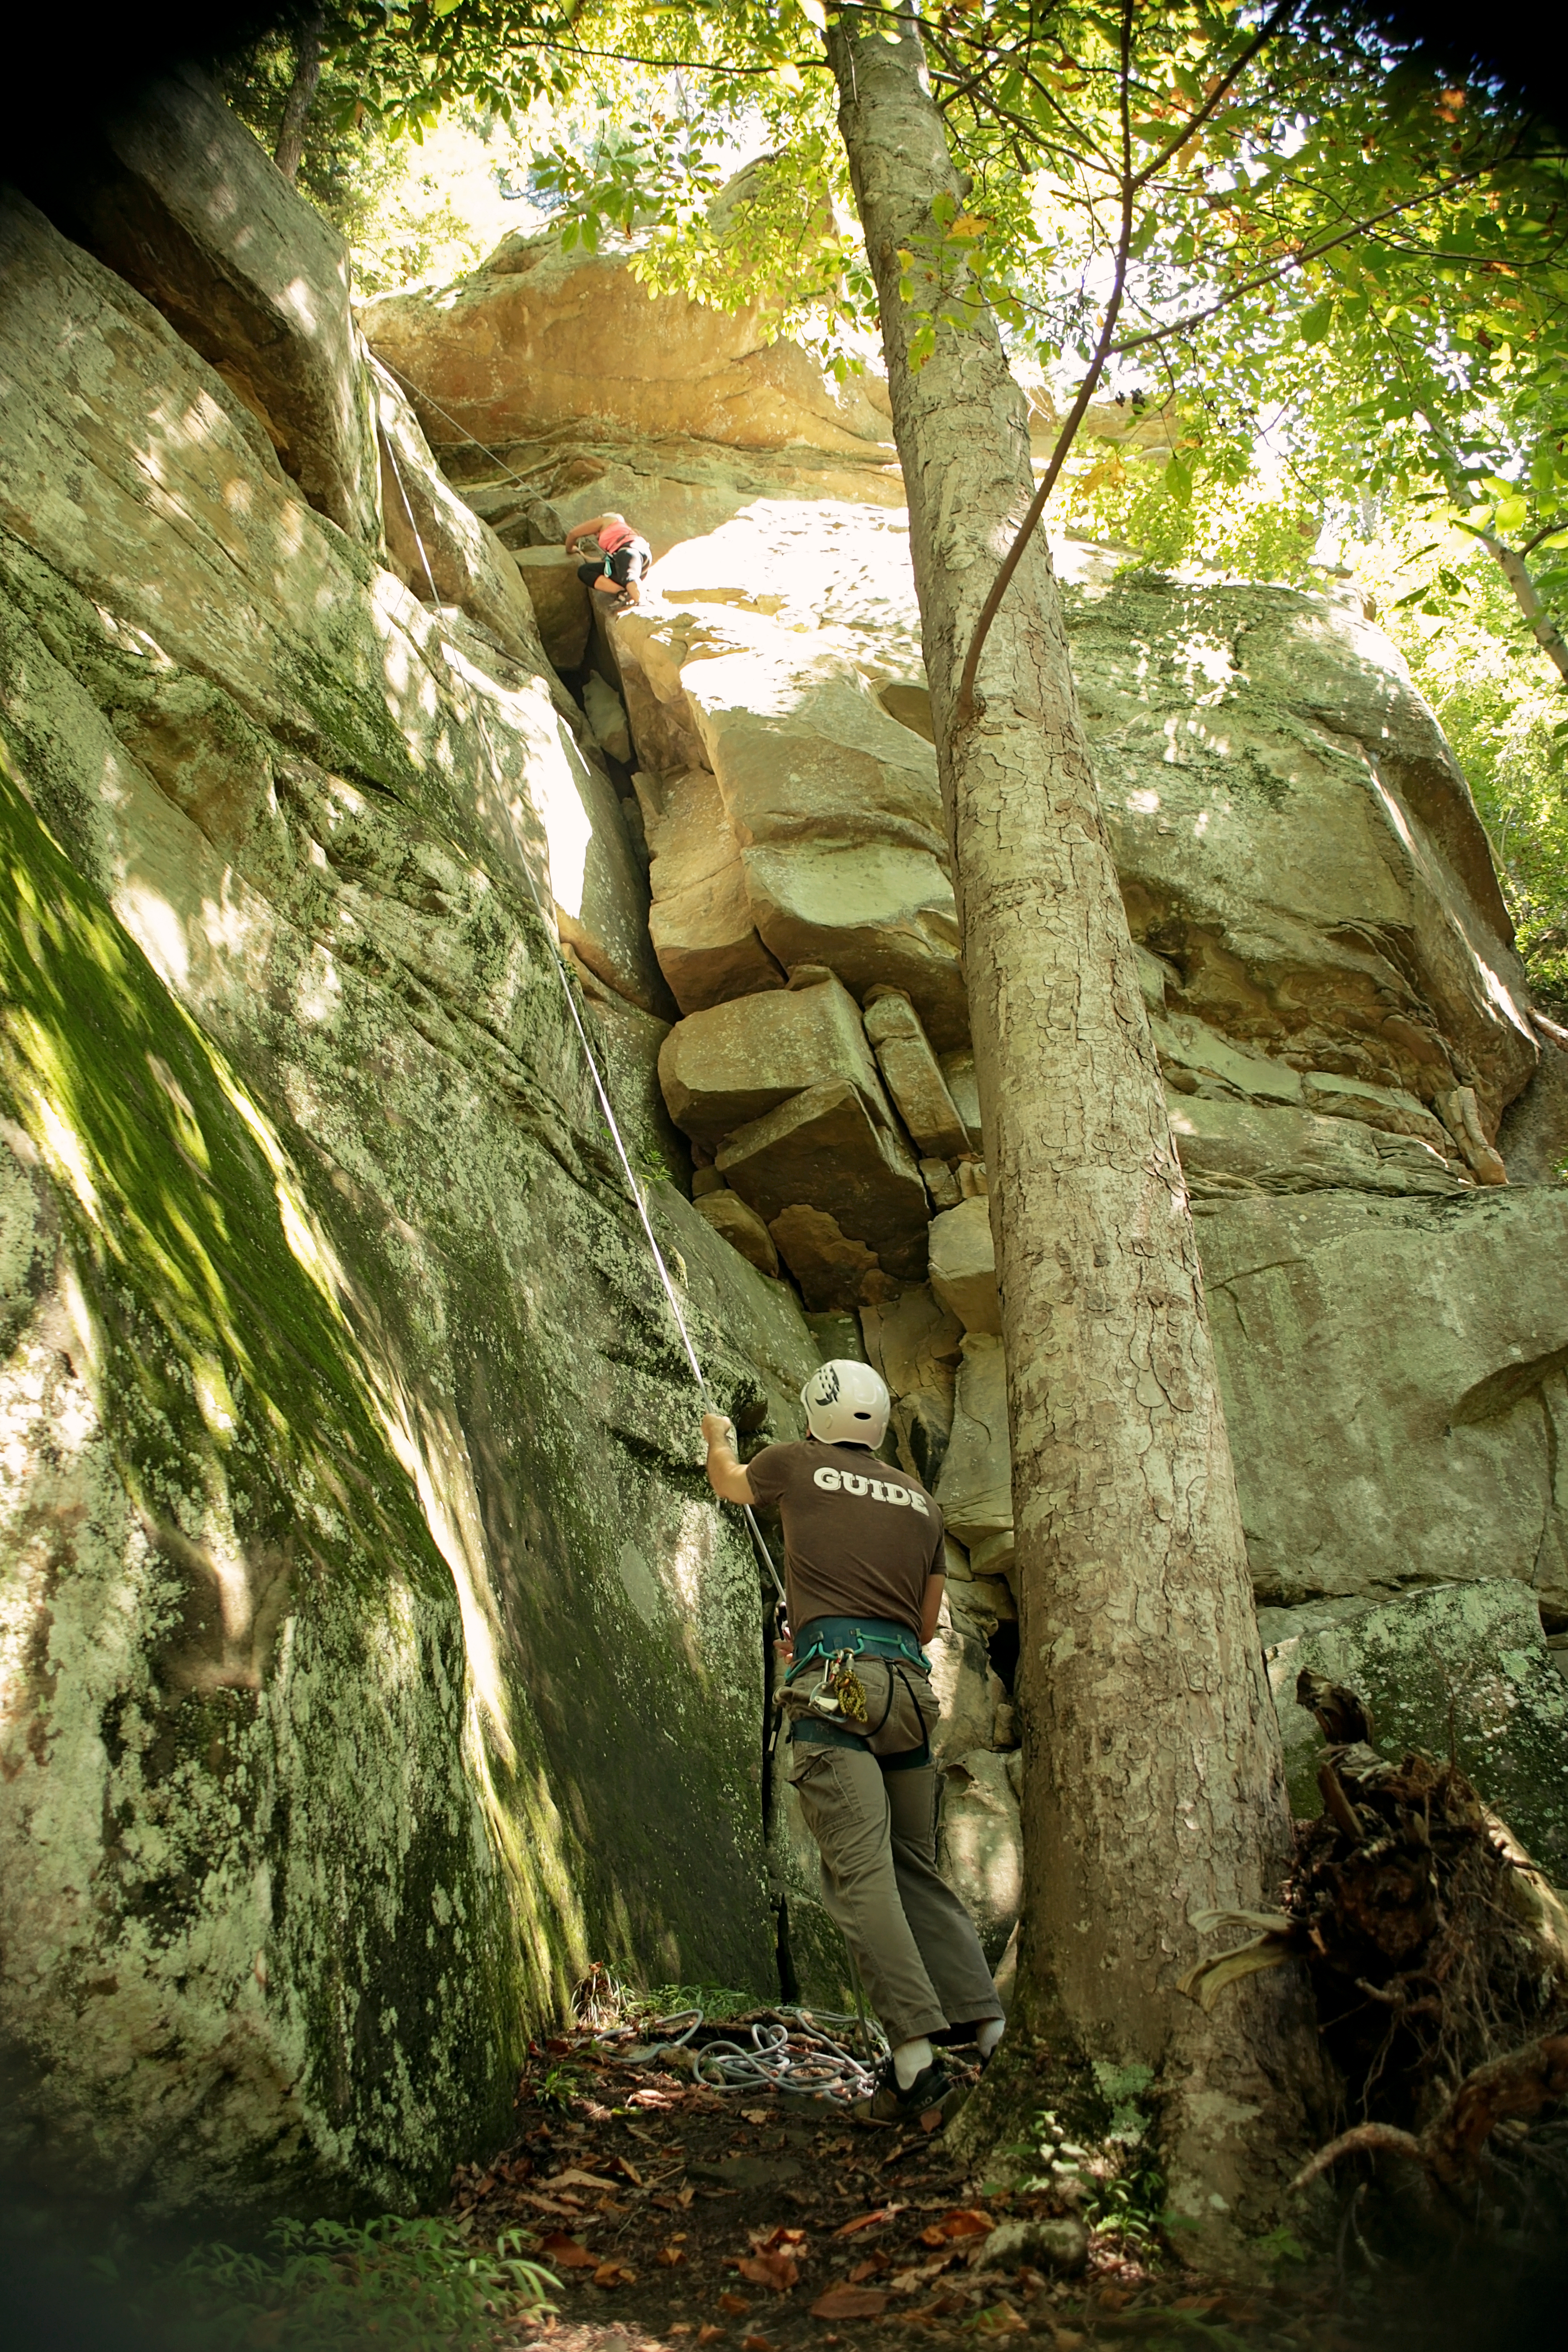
(414, 2285)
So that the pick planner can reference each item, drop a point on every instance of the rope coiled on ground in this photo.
(790, 2051)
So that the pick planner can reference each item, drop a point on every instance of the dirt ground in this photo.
(677, 2217)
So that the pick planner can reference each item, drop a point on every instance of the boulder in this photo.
(726, 1066)
(741, 1227)
(975, 1489)
(979, 1850)
(608, 717)
(1058, 2242)
(878, 914)
(1451, 1668)
(700, 921)
(824, 1146)
(538, 337)
(913, 1340)
(177, 195)
(963, 1265)
(913, 1077)
(1394, 1390)
(560, 602)
(435, 543)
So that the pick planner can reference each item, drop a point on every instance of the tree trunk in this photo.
(301, 96)
(1527, 596)
(1153, 1785)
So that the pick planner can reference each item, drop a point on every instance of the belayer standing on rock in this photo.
(862, 1565)
(624, 558)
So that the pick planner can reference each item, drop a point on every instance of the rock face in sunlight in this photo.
(374, 1656)
(538, 338)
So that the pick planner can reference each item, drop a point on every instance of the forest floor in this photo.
(678, 2218)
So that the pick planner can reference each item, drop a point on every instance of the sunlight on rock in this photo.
(63, 1146)
(158, 931)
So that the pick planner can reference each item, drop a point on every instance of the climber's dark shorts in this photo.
(627, 564)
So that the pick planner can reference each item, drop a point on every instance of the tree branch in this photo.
(1300, 260)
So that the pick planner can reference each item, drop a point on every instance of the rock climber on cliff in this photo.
(863, 1564)
(624, 558)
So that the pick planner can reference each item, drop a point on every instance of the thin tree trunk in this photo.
(1527, 596)
(1153, 1785)
(301, 96)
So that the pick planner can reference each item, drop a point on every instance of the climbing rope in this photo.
(708, 1403)
(789, 2051)
(415, 393)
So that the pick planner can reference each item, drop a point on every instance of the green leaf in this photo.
(1316, 322)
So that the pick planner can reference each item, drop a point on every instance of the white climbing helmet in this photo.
(847, 1404)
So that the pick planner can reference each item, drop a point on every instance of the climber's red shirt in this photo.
(862, 1538)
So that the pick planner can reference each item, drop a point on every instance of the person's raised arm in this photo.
(581, 531)
(726, 1476)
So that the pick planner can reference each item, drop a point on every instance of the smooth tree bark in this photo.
(1528, 597)
(301, 96)
(1154, 1786)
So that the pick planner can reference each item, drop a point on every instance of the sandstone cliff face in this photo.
(1329, 973)
(373, 1653)
(358, 1564)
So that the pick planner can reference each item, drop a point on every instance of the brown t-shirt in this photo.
(861, 1537)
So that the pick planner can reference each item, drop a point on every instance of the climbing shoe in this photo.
(889, 2105)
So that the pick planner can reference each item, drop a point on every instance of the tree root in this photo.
(1450, 2149)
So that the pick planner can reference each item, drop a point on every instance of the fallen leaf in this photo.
(576, 2178)
(733, 2303)
(867, 2220)
(755, 2344)
(671, 2255)
(776, 2271)
(613, 2275)
(931, 2120)
(763, 2241)
(708, 2333)
(963, 2221)
(755, 2116)
(850, 2303)
(1001, 2319)
(630, 2170)
(906, 2281)
(565, 2253)
(868, 2270)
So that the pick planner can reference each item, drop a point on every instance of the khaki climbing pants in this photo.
(873, 1816)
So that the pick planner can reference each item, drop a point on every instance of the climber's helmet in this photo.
(847, 1404)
